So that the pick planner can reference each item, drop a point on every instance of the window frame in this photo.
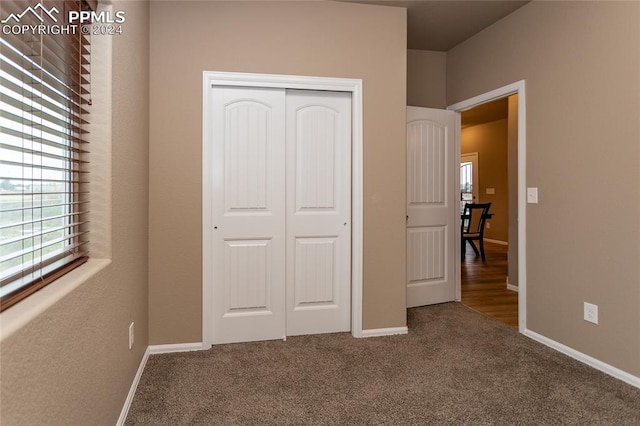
(58, 67)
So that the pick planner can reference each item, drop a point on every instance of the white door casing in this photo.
(514, 88)
(432, 206)
(354, 87)
(318, 212)
(248, 195)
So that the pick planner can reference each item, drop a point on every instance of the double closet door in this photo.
(281, 209)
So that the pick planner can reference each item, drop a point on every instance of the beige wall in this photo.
(580, 61)
(489, 140)
(71, 365)
(426, 74)
(300, 38)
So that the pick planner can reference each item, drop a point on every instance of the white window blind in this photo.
(44, 94)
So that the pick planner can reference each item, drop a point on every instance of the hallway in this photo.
(484, 287)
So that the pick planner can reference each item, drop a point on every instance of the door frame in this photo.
(351, 85)
(517, 88)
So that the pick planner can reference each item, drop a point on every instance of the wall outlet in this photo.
(591, 312)
(131, 335)
(488, 224)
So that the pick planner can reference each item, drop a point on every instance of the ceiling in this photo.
(442, 24)
(486, 113)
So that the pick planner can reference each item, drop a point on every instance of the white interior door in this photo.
(248, 204)
(281, 213)
(432, 206)
(318, 212)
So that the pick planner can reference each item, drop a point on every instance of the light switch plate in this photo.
(490, 191)
(532, 195)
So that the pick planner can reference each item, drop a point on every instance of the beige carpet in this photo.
(454, 367)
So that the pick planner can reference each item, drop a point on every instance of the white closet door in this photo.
(248, 126)
(318, 212)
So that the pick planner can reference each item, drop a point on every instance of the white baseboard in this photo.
(177, 347)
(584, 358)
(132, 389)
(512, 287)
(377, 332)
(502, 243)
(154, 349)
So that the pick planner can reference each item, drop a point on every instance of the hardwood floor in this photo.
(484, 287)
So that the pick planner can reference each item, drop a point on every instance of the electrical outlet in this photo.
(488, 224)
(591, 313)
(131, 335)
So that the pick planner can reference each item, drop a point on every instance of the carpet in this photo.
(454, 367)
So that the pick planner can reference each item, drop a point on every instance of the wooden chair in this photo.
(472, 223)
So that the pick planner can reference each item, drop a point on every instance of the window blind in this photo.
(44, 94)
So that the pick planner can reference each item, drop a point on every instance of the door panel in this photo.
(247, 148)
(431, 206)
(247, 278)
(318, 212)
(427, 243)
(426, 163)
(314, 278)
(248, 214)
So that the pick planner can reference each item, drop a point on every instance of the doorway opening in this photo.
(496, 287)
(486, 132)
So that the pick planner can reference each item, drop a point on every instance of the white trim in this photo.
(457, 230)
(511, 89)
(502, 243)
(132, 389)
(586, 359)
(152, 350)
(207, 219)
(238, 79)
(391, 331)
(511, 287)
(354, 86)
(176, 347)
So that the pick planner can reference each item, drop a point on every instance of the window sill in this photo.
(28, 309)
